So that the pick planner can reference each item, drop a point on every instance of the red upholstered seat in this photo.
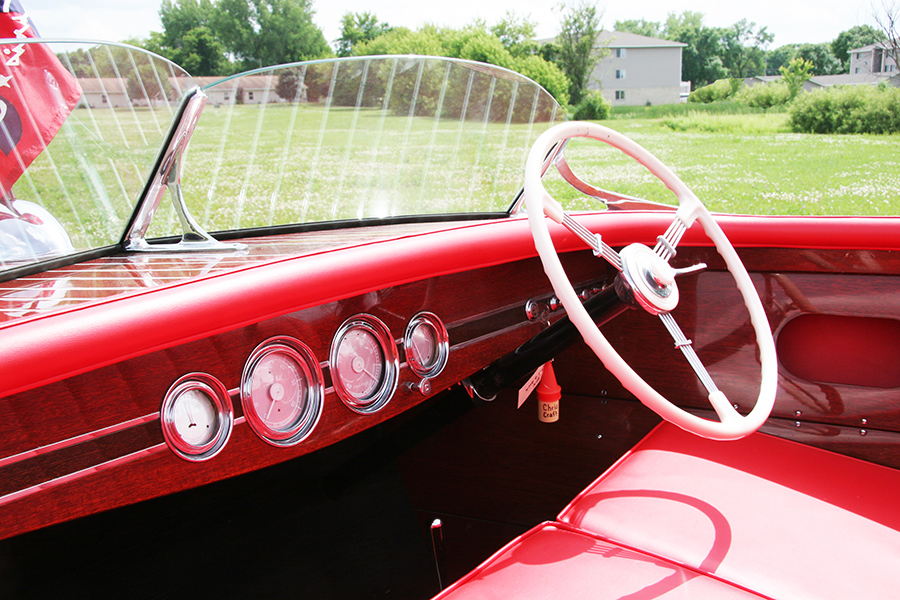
(783, 519)
(554, 561)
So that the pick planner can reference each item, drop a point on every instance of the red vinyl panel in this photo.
(42, 350)
(552, 561)
(837, 349)
(774, 516)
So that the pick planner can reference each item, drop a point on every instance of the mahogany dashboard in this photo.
(280, 385)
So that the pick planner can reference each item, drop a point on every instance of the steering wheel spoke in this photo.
(593, 241)
(687, 348)
(666, 243)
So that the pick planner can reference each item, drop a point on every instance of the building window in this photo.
(620, 94)
(620, 52)
(249, 95)
(857, 70)
(620, 73)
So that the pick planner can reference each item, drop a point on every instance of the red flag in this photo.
(36, 95)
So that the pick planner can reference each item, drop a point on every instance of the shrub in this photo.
(718, 90)
(857, 109)
(547, 74)
(764, 95)
(593, 107)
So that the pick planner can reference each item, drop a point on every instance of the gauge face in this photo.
(278, 390)
(282, 391)
(196, 417)
(423, 344)
(364, 364)
(426, 345)
(360, 363)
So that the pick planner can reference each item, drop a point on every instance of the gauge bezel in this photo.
(218, 394)
(379, 397)
(442, 345)
(303, 357)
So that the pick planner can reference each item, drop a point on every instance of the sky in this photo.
(791, 21)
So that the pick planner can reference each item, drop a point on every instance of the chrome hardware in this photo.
(540, 310)
(613, 200)
(692, 269)
(423, 386)
(167, 178)
(537, 311)
(440, 551)
(473, 393)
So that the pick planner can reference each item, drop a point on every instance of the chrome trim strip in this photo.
(47, 485)
(78, 439)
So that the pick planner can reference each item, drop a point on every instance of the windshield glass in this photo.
(81, 127)
(360, 138)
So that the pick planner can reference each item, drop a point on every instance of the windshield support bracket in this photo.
(167, 177)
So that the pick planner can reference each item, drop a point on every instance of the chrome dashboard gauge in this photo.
(364, 364)
(196, 417)
(282, 391)
(426, 345)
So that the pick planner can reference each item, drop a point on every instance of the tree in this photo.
(188, 37)
(481, 46)
(579, 28)
(288, 86)
(701, 61)
(795, 74)
(640, 27)
(473, 42)
(547, 74)
(516, 34)
(822, 58)
(268, 32)
(357, 28)
(181, 16)
(888, 21)
(401, 40)
(201, 53)
(855, 37)
(744, 49)
(148, 83)
(779, 57)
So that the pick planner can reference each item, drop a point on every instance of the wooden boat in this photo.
(285, 407)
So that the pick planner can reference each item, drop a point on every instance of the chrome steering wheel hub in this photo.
(648, 279)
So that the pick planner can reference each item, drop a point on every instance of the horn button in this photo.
(648, 279)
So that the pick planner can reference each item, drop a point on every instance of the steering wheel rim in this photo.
(732, 425)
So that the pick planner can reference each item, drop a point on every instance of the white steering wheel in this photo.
(647, 275)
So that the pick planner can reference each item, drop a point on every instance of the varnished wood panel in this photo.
(485, 316)
(712, 315)
(481, 309)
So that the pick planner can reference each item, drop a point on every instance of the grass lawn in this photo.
(750, 163)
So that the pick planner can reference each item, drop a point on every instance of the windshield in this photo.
(87, 129)
(361, 138)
